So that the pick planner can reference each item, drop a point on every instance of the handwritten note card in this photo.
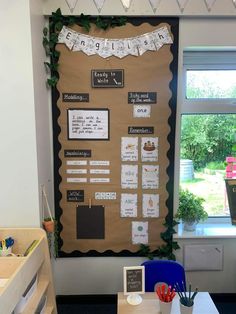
(89, 124)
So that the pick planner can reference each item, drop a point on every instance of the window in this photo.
(207, 119)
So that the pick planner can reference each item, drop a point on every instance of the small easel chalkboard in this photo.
(134, 284)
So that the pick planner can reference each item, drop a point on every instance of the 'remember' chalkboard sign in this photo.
(107, 78)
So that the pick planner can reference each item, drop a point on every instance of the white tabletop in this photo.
(203, 304)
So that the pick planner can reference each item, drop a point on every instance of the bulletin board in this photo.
(114, 137)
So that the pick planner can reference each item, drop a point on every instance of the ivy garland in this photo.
(50, 39)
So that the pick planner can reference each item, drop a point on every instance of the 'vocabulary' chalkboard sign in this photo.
(107, 78)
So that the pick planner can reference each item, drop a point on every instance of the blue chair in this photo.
(167, 271)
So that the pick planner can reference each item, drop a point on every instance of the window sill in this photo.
(207, 230)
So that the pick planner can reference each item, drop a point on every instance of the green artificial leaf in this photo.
(45, 31)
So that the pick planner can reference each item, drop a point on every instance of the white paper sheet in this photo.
(149, 149)
(129, 148)
(128, 205)
(139, 232)
(129, 176)
(151, 205)
(150, 177)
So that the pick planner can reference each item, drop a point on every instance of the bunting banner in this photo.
(154, 4)
(209, 4)
(234, 2)
(126, 4)
(120, 48)
(182, 4)
(99, 4)
(71, 4)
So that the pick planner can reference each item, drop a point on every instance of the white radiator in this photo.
(203, 257)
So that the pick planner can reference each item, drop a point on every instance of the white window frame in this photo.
(200, 59)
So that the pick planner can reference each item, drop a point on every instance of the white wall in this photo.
(19, 205)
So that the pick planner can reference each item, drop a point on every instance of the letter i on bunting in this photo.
(126, 4)
(154, 4)
(99, 4)
(182, 4)
(72, 4)
(209, 4)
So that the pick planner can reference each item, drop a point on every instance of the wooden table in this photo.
(203, 304)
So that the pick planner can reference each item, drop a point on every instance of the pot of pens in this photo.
(166, 295)
(186, 299)
(6, 246)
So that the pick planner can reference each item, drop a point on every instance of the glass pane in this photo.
(211, 84)
(206, 141)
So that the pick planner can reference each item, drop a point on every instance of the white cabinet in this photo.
(17, 272)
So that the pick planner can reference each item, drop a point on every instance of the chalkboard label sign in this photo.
(142, 97)
(134, 280)
(107, 78)
(75, 195)
(75, 97)
(140, 130)
(82, 153)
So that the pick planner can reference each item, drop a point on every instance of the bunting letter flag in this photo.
(120, 48)
(182, 4)
(99, 4)
(71, 4)
(126, 4)
(154, 4)
(209, 4)
(234, 2)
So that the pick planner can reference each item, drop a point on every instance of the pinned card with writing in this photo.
(151, 205)
(139, 232)
(150, 177)
(129, 148)
(149, 149)
(141, 111)
(128, 205)
(129, 176)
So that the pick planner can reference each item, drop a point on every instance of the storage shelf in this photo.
(17, 272)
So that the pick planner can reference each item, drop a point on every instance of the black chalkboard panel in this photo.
(75, 97)
(133, 279)
(142, 97)
(107, 78)
(90, 222)
(75, 195)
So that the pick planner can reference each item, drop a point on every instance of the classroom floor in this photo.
(107, 304)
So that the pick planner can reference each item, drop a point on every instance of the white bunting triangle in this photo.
(72, 4)
(182, 4)
(154, 4)
(99, 4)
(234, 2)
(126, 4)
(209, 4)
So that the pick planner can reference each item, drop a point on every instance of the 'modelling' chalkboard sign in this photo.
(142, 97)
(107, 78)
(75, 97)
